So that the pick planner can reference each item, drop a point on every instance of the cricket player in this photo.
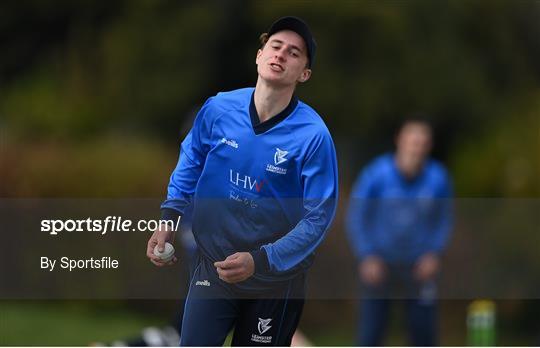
(398, 223)
(261, 170)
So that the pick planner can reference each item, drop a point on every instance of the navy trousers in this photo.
(213, 308)
(399, 287)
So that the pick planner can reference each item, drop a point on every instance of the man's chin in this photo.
(277, 81)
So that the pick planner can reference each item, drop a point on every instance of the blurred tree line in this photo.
(85, 79)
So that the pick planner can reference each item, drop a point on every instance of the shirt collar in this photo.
(261, 127)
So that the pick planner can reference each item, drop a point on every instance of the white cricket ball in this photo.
(167, 254)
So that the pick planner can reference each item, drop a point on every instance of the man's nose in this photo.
(280, 54)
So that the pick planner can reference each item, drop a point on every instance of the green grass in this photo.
(34, 323)
(79, 323)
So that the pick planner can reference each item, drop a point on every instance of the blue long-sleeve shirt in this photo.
(268, 188)
(396, 218)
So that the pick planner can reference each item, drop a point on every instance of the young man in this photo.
(398, 224)
(260, 167)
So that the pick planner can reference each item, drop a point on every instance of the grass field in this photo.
(79, 323)
(29, 323)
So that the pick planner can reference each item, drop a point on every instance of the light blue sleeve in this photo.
(361, 204)
(320, 192)
(193, 152)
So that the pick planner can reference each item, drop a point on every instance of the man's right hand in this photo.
(163, 234)
(372, 270)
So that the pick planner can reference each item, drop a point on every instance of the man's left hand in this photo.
(236, 267)
(427, 267)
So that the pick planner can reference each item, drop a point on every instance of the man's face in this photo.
(283, 59)
(414, 143)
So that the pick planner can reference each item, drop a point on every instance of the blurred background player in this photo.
(398, 223)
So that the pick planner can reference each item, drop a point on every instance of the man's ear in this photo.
(396, 139)
(306, 74)
(259, 52)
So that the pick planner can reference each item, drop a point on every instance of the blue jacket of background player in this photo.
(268, 188)
(396, 218)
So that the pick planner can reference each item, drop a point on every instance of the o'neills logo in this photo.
(231, 143)
(202, 283)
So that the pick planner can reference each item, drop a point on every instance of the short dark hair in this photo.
(263, 38)
(417, 118)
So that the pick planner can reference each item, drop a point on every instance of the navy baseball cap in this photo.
(301, 28)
